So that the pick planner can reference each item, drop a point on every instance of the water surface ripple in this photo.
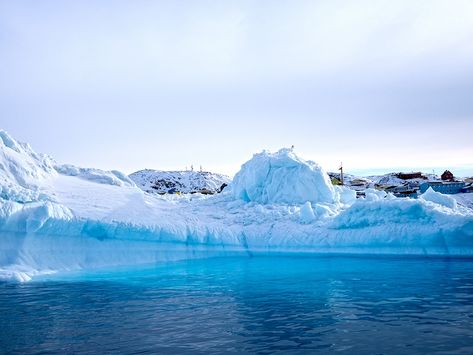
(286, 304)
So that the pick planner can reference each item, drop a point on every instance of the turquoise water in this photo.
(286, 304)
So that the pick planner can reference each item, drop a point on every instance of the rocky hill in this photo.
(162, 182)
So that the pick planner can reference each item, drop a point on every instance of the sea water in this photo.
(259, 304)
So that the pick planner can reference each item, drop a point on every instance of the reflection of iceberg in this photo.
(56, 217)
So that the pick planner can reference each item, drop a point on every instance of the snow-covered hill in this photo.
(392, 179)
(156, 181)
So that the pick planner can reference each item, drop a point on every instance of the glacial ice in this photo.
(60, 218)
(345, 195)
(21, 169)
(307, 213)
(438, 198)
(282, 177)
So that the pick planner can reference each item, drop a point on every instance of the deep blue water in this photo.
(287, 304)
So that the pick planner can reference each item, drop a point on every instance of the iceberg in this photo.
(58, 218)
(282, 177)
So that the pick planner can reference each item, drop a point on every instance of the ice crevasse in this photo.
(57, 217)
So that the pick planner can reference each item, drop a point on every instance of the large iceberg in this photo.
(61, 218)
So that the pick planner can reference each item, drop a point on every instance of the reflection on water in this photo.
(262, 304)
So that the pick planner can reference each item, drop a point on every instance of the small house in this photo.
(447, 175)
(408, 176)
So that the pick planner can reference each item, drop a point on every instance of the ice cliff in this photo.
(61, 218)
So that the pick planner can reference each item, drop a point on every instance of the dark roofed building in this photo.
(407, 176)
(447, 175)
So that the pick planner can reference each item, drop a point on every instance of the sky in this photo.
(378, 85)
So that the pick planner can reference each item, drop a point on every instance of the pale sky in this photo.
(140, 84)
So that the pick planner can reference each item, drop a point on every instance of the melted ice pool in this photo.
(260, 304)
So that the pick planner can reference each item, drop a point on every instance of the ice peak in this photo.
(7, 141)
(282, 177)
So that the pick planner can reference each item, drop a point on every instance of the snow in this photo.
(282, 177)
(278, 202)
(113, 177)
(438, 198)
(464, 199)
(21, 169)
(374, 195)
(307, 213)
(346, 196)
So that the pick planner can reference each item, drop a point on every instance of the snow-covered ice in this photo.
(21, 169)
(58, 218)
(113, 177)
(464, 199)
(438, 198)
(282, 177)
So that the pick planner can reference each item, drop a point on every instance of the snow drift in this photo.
(438, 198)
(113, 177)
(65, 218)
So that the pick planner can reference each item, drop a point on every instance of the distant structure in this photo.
(447, 175)
(468, 188)
(408, 176)
(341, 174)
(359, 182)
(201, 168)
(443, 187)
(205, 192)
(404, 191)
(192, 167)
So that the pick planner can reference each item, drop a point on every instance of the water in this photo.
(287, 304)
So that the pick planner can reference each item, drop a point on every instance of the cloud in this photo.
(275, 72)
